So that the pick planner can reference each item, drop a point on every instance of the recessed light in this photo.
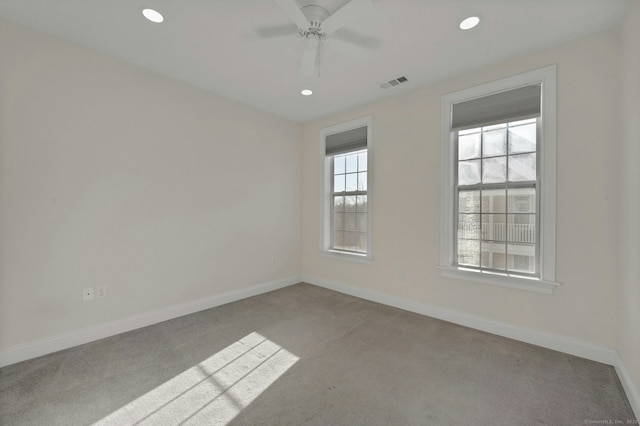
(306, 92)
(153, 15)
(469, 23)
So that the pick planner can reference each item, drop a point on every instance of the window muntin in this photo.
(349, 202)
(496, 196)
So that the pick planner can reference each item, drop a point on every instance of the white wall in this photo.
(406, 158)
(629, 288)
(111, 175)
(114, 176)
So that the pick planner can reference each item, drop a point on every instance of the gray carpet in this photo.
(307, 355)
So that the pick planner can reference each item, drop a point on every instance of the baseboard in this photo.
(558, 343)
(49, 345)
(586, 350)
(633, 394)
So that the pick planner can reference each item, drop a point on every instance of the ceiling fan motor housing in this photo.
(316, 15)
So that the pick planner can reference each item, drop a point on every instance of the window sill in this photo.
(350, 257)
(509, 281)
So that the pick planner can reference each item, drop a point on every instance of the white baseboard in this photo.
(49, 345)
(558, 343)
(586, 350)
(632, 391)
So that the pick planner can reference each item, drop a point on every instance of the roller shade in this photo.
(520, 103)
(351, 140)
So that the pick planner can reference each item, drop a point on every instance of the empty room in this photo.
(350, 212)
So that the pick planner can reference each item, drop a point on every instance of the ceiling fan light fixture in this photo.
(153, 15)
(306, 92)
(469, 22)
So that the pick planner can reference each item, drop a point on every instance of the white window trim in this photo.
(547, 158)
(325, 202)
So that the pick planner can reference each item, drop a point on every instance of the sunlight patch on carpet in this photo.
(212, 392)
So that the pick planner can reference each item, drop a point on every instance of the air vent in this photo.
(394, 82)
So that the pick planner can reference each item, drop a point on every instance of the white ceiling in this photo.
(216, 44)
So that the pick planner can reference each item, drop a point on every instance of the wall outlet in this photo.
(87, 294)
(101, 292)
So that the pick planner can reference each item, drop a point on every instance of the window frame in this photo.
(545, 282)
(326, 214)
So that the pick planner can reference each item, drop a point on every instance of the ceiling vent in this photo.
(395, 82)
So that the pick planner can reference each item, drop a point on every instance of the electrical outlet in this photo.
(87, 294)
(101, 292)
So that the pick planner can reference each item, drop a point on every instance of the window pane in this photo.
(522, 262)
(361, 203)
(352, 182)
(469, 226)
(469, 146)
(522, 200)
(469, 172)
(338, 183)
(494, 143)
(338, 239)
(469, 201)
(521, 228)
(494, 170)
(494, 227)
(352, 163)
(350, 203)
(522, 139)
(338, 164)
(362, 242)
(338, 204)
(493, 255)
(350, 222)
(522, 167)
(351, 240)
(362, 222)
(522, 258)
(362, 161)
(469, 252)
(338, 221)
(362, 181)
(493, 200)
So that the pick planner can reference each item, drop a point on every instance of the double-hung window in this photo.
(498, 190)
(346, 225)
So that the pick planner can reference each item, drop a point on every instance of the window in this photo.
(495, 189)
(349, 194)
(346, 162)
(498, 186)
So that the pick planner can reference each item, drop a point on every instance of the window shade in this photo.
(520, 103)
(351, 140)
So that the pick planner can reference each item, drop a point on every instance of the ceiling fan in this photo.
(315, 24)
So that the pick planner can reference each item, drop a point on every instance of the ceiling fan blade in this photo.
(292, 10)
(277, 31)
(309, 64)
(349, 12)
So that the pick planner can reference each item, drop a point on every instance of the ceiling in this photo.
(235, 47)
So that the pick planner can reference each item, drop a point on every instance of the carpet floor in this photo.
(306, 355)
